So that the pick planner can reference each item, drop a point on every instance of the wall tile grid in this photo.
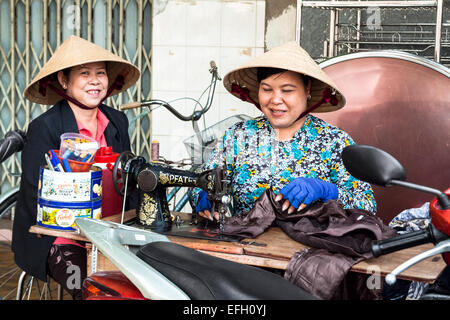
(187, 36)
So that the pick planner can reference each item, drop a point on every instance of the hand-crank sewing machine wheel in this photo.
(117, 174)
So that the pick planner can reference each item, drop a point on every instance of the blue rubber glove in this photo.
(203, 203)
(307, 190)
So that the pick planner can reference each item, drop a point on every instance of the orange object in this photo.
(110, 285)
(76, 166)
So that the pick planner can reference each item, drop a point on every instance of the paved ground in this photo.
(9, 277)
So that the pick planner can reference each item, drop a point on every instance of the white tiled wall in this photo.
(187, 35)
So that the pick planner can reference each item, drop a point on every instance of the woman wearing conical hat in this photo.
(75, 80)
(288, 150)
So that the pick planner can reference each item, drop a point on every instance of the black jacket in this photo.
(43, 134)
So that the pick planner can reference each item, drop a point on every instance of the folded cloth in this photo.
(311, 269)
(345, 234)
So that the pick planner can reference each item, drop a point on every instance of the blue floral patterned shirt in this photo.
(255, 160)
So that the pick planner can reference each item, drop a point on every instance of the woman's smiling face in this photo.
(87, 83)
(283, 97)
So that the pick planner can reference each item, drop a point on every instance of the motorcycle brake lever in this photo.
(441, 247)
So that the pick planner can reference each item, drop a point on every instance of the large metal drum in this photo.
(400, 103)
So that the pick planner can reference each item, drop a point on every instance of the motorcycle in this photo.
(378, 167)
(151, 267)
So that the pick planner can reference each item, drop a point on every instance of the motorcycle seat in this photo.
(202, 276)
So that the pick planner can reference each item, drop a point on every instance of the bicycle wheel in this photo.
(10, 273)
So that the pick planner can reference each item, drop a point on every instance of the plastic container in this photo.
(112, 201)
(78, 147)
(76, 166)
(64, 196)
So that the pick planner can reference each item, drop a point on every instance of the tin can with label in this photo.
(64, 196)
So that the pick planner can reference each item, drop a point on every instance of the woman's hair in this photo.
(265, 72)
(66, 71)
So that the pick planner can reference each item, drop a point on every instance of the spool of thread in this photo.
(155, 150)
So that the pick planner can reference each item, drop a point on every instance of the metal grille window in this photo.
(31, 30)
(418, 27)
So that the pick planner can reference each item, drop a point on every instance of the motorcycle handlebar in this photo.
(11, 143)
(196, 114)
(408, 240)
(400, 242)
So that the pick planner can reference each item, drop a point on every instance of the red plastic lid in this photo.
(105, 155)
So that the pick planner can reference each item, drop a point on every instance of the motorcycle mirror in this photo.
(373, 165)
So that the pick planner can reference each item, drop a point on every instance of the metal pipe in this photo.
(437, 44)
(332, 32)
(368, 4)
(358, 28)
(410, 42)
(298, 22)
(20, 285)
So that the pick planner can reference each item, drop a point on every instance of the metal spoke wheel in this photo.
(117, 176)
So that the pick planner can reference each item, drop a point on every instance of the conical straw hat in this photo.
(289, 56)
(75, 51)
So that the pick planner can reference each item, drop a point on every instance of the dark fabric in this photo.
(442, 284)
(397, 291)
(325, 275)
(329, 226)
(343, 236)
(67, 265)
(355, 286)
(310, 270)
(43, 134)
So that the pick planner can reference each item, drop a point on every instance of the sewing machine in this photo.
(152, 180)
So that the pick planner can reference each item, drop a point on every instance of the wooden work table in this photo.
(273, 249)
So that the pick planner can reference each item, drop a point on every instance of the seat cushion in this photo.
(202, 276)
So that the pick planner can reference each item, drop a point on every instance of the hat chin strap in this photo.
(327, 97)
(46, 83)
(244, 94)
